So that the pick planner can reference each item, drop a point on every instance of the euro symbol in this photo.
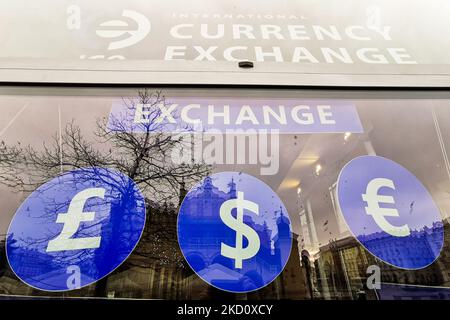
(373, 200)
(72, 220)
(143, 28)
(239, 253)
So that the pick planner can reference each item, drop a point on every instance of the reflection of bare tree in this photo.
(144, 156)
(143, 153)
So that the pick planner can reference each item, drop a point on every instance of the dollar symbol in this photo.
(373, 200)
(239, 253)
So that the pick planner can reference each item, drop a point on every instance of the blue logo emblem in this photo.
(390, 212)
(75, 229)
(234, 232)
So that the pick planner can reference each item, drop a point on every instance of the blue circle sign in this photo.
(75, 229)
(234, 232)
(390, 212)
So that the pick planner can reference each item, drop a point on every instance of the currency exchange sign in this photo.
(234, 232)
(75, 229)
(390, 212)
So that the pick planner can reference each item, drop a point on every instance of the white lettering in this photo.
(343, 55)
(174, 51)
(298, 32)
(228, 53)
(246, 114)
(269, 29)
(400, 56)
(205, 54)
(243, 29)
(175, 31)
(280, 117)
(301, 53)
(350, 31)
(184, 114)
(205, 34)
(275, 53)
(225, 114)
(303, 117)
(373, 58)
(324, 114)
(332, 33)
